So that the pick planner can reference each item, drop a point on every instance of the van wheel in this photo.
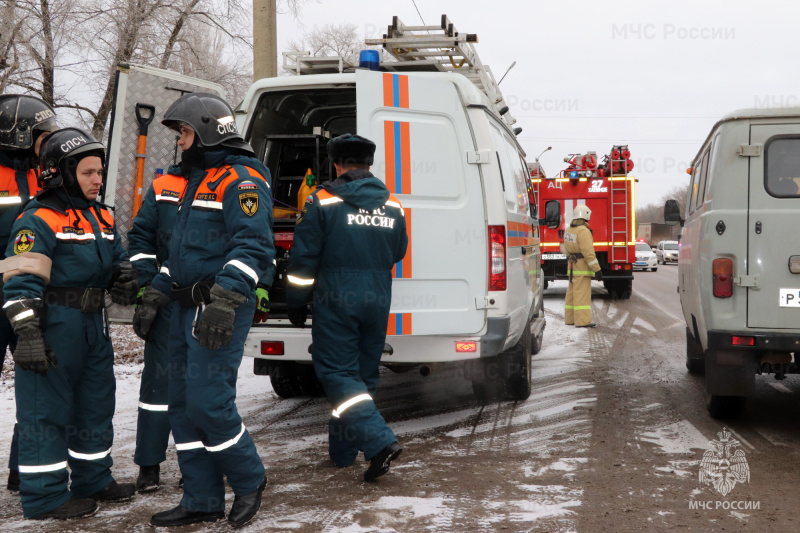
(286, 386)
(695, 360)
(653, 269)
(724, 407)
(546, 284)
(518, 368)
(310, 385)
(487, 384)
(536, 341)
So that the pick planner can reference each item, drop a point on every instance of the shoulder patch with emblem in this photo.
(310, 199)
(23, 242)
(248, 202)
(247, 185)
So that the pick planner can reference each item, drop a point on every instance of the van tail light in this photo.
(723, 278)
(284, 240)
(743, 341)
(497, 253)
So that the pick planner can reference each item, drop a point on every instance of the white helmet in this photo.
(582, 211)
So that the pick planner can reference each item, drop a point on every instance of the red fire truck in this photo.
(608, 189)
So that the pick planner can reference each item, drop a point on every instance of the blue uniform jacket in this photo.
(17, 185)
(148, 239)
(223, 230)
(351, 225)
(83, 250)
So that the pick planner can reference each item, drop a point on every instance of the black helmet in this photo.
(210, 117)
(60, 153)
(20, 116)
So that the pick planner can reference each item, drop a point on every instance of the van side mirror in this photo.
(672, 213)
(552, 214)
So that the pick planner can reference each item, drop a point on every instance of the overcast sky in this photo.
(653, 74)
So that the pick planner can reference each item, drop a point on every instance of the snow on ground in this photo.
(553, 419)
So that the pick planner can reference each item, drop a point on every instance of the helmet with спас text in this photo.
(210, 117)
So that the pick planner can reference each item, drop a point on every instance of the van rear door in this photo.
(774, 206)
(420, 126)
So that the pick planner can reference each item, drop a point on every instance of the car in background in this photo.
(645, 258)
(666, 252)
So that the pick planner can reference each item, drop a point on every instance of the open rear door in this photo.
(423, 137)
(772, 237)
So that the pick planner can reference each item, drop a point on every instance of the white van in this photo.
(470, 287)
(739, 268)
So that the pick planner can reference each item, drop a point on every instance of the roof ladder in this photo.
(440, 49)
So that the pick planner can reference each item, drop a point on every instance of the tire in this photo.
(653, 269)
(487, 385)
(620, 289)
(310, 385)
(518, 368)
(286, 386)
(695, 360)
(536, 341)
(726, 407)
(546, 284)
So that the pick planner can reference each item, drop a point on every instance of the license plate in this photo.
(554, 256)
(790, 298)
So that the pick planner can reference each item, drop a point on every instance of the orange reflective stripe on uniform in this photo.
(211, 192)
(169, 188)
(9, 191)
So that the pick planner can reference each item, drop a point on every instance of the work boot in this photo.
(72, 508)
(13, 480)
(592, 325)
(115, 492)
(181, 516)
(245, 507)
(379, 464)
(149, 477)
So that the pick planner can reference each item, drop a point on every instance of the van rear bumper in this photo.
(764, 341)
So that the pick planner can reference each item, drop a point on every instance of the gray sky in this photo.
(653, 74)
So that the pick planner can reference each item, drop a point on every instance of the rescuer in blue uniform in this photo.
(349, 235)
(65, 394)
(222, 246)
(148, 247)
(24, 122)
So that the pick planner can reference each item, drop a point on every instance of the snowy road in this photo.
(610, 440)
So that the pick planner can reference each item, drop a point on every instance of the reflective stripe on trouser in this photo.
(348, 343)
(66, 415)
(203, 415)
(578, 302)
(152, 427)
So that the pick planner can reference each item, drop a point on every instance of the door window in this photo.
(782, 167)
(701, 189)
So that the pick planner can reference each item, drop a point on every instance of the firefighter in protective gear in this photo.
(351, 233)
(24, 122)
(148, 247)
(221, 248)
(64, 359)
(582, 266)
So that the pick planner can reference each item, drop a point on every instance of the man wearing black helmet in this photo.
(221, 248)
(351, 233)
(24, 122)
(69, 255)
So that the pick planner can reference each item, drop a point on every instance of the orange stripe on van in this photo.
(403, 83)
(405, 157)
(388, 141)
(391, 328)
(388, 90)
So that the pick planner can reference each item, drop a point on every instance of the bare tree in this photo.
(654, 212)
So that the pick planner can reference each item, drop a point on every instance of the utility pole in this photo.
(265, 39)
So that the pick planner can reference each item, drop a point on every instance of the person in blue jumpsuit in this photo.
(350, 234)
(148, 247)
(24, 122)
(222, 246)
(64, 358)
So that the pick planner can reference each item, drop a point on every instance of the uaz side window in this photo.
(782, 167)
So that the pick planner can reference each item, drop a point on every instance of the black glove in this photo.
(598, 276)
(215, 328)
(145, 314)
(298, 315)
(32, 352)
(124, 284)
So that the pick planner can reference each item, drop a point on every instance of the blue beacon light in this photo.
(369, 59)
